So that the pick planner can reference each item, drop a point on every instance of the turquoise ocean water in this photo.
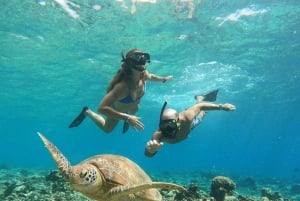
(51, 65)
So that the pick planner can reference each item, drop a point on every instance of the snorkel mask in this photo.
(136, 59)
(168, 127)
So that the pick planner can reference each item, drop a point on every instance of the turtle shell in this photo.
(121, 171)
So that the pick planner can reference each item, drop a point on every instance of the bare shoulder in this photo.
(189, 113)
(122, 85)
(191, 109)
(120, 89)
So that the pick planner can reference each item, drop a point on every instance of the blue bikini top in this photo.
(129, 99)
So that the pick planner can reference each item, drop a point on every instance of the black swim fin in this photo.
(77, 121)
(210, 96)
(125, 127)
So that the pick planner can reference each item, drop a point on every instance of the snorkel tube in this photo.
(162, 111)
(172, 128)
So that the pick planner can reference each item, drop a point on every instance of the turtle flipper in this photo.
(61, 161)
(120, 191)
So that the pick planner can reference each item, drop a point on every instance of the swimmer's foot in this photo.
(210, 96)
(125, 127)
(77, 121)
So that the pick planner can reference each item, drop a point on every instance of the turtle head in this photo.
(61, 161)
(86, 178)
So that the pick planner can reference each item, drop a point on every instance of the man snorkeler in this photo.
(175, 127)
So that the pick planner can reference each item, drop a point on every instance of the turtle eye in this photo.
(83, 173)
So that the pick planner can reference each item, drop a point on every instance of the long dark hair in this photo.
(124, 72)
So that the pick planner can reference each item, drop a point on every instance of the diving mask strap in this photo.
(123, 55)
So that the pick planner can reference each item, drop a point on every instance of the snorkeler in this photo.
(124, 94)
(175, 127)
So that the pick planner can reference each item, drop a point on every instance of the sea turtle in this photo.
(108, 177)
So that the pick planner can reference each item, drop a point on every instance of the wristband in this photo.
(127, 117)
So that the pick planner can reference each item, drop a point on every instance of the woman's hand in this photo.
(134, 121)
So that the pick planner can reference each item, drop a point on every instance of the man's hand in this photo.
(168, 78)
(227, 107)
(153, 146)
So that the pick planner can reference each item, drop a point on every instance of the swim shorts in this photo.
(196, 121)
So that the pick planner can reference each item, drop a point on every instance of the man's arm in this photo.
(204, 106)
(211, 106)
(153, 145)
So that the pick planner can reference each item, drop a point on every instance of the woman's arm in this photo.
(153, 77)
(119, 91)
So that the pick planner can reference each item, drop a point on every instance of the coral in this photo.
(9, 188)
(25, 185)
(53, 176)
(246, 198)
(266, 192)
(58, 183)
(221, 186)
(37, 185)
(193, 193)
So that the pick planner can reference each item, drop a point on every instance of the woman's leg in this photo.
(107, 125)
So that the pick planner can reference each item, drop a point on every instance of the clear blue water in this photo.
(51, 65)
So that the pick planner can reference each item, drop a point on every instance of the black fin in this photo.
(125, 127)
(77, 121)
(210, 96)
